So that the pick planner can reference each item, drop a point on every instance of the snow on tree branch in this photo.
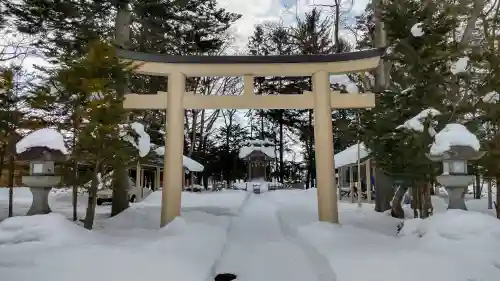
(416, 123)
(416, 30)
(143, 144)
(491, 97)
(460, 66)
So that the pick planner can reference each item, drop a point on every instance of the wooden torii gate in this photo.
(321, 99)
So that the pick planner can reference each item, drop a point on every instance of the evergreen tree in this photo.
(312, 35)
(420, 78)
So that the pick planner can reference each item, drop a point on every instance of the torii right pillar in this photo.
(323, 141)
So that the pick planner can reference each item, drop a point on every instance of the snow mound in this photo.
(51, 229)
(453, 134)
(454, 225)
(45, 137)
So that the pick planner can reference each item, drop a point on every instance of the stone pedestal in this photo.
(455, 186)
(456, 198)
(40, 203)
(40, 187)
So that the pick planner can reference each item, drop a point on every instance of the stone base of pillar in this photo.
(456, 198)
(40, 203)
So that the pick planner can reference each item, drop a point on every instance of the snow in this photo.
(350, 155)
(416, 122)
(261, 184)
(189, 163)
(52, 229)
(491, 97)
(453, 135)
(268, 236)
(460, 65)
(144, 142)
(45, 137)
(352, 88)
(263, 146)
(416, 30)
(100, 182)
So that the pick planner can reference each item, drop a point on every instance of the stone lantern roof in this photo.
(41, 153)
(457, 152)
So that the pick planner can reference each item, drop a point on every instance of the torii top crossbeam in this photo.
(294, 65)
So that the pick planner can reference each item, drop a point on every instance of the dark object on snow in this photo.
(400, 227)
(225, 277)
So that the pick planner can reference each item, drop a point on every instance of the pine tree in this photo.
(14, 118)
(420, 78)
(311, 36)
(92, 80)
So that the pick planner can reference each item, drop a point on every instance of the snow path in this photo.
(259, 250)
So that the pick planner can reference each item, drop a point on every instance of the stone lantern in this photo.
(42, 176)
(455, 178)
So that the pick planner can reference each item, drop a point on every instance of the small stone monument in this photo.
(41, 150)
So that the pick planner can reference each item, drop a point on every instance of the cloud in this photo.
(259, 11)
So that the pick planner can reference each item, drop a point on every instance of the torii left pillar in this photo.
(173, 169)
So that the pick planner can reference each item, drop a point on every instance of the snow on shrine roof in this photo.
(45, 137)
(247, 150)
(451, 135)
(265, 146)
(350, 155)
(187, 162)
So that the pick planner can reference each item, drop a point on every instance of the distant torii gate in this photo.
(321, 99)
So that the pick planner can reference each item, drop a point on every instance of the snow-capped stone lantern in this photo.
(257, 154)
(454, 146)
(41, 150)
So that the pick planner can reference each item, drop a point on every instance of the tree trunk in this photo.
(338, 46)
(282, 148)
(396, 208)
(75, 189)
(91, 204)
(2, 160)
(478, 184)
(426, 204)
(497, 203)
(310, 148)
(12, 169)
(490, 199)
(120, 191)
(74, 176)
(383, 190)
(122, 37)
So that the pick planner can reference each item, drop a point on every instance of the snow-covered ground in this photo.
(259, 237)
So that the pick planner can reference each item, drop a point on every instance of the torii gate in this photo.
(321, 99)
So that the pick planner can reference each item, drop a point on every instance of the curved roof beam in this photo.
(294, 65)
